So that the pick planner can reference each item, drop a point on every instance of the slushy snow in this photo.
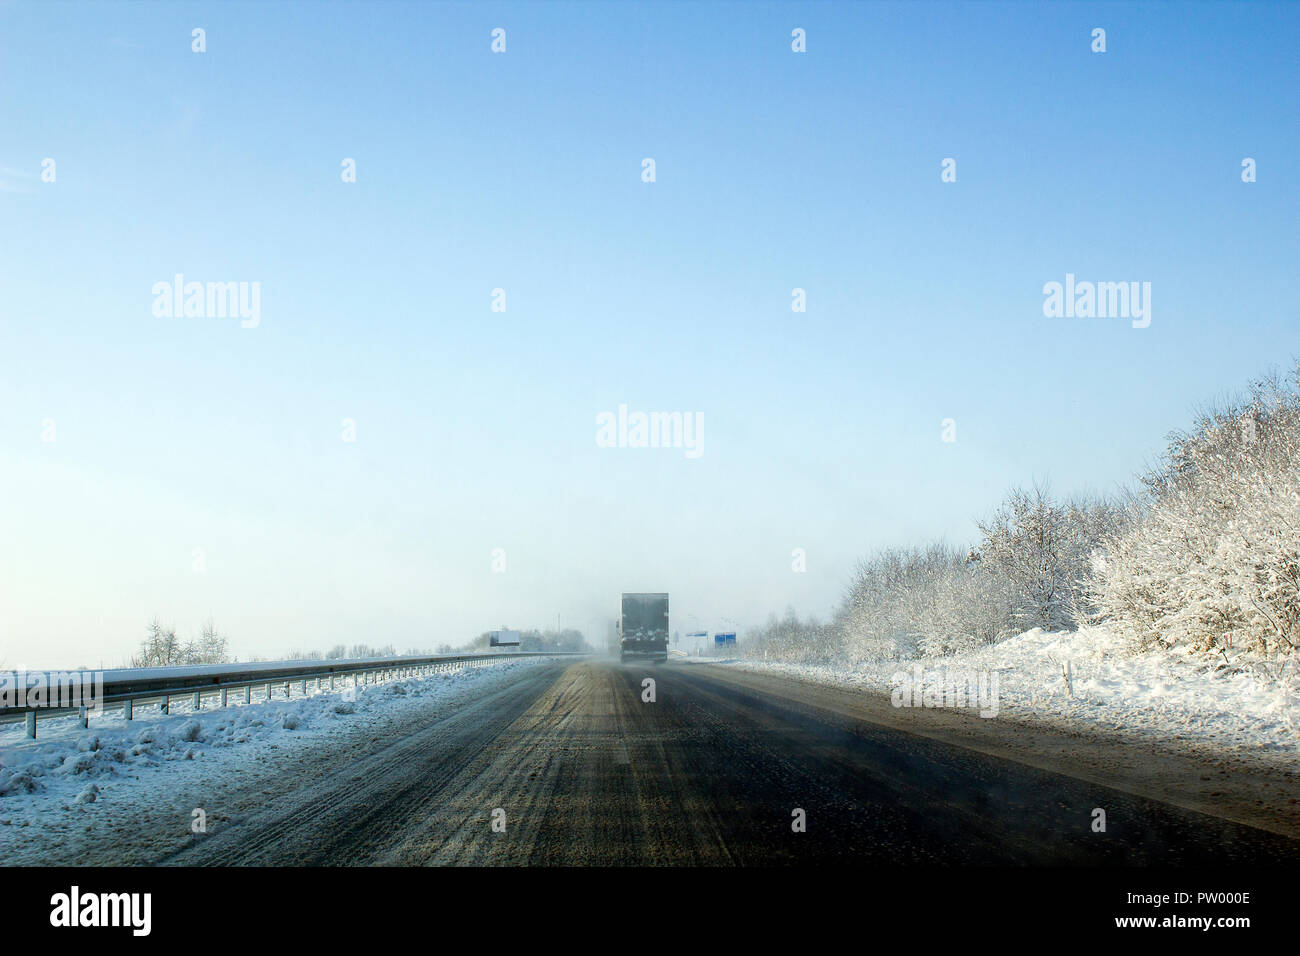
(71, 770)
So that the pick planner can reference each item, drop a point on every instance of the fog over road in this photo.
(709, 773)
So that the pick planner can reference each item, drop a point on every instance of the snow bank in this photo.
(1158, 693)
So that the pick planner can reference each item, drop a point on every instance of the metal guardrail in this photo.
(134, 685)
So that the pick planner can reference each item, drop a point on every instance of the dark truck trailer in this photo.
(643, 626)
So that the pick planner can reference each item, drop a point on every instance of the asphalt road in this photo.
(710, 773)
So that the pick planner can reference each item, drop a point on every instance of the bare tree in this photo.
(160, 648)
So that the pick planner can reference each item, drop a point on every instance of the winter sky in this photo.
(189, 466)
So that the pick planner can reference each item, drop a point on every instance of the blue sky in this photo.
(475, 429)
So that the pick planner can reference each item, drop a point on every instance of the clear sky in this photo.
(199, 468)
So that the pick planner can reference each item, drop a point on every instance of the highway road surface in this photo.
(711, 772)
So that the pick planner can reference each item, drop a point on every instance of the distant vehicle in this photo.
(643, 626)
(503, 638)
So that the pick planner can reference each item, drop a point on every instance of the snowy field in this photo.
(1160, 694)
(70, 772)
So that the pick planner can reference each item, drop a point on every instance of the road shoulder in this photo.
(1254, 790)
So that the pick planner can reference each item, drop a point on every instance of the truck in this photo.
(643, 626)
(503, 638)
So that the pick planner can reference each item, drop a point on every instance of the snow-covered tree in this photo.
(1041, 551)
(1213, 563)
(162, 648)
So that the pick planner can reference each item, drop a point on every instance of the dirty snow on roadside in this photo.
(71, 771)
(1158, 693)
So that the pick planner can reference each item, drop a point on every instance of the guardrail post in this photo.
(286, 690)
(166, 705)
(268, 690)
(128, 709)
(198, 701)
(248, 693)
(31, 724)
(304, 686)
(224, 696)
(331, 681)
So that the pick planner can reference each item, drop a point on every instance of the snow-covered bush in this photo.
(1041, 552)
(792, 640)
(1030, 571)
(932, 600)
(1212, 565)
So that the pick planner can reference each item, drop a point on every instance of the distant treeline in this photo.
(162, 648)
(567, 639)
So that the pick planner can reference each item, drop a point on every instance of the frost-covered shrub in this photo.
(933, 600)
(902, 602)
(1030, 571)
(1040, 551)
(792, 640)
(1213, 563)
